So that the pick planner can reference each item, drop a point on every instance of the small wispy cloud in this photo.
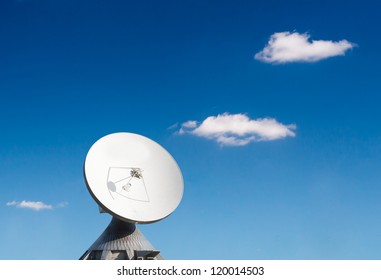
(35, 205)
(62, 204)
(237, 129)
(286, 47)
(173, 126)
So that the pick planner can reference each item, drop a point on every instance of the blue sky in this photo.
(74, 71)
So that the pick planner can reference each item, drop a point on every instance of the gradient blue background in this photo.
(74, 71)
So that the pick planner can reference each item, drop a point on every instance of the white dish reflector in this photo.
(133, 178)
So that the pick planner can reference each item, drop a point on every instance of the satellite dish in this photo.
(133, 178)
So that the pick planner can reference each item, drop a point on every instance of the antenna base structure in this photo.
(121, 241)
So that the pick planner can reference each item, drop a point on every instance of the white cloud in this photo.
(238, 129)
(285, 47)
(34, 205)
(186, 126)
(11, 203)
(189, 124)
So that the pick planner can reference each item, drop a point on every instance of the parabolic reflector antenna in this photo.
(133, 178)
